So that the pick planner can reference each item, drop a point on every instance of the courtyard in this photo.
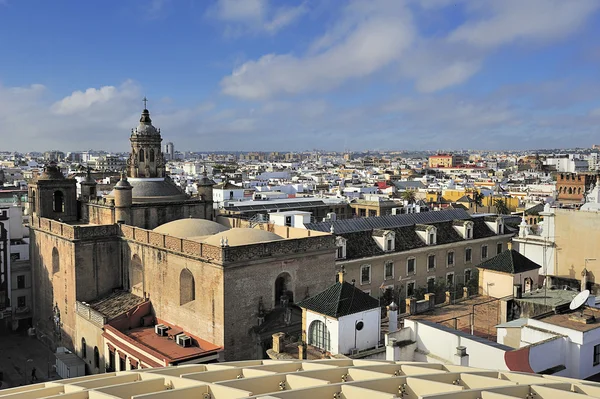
(19, 354)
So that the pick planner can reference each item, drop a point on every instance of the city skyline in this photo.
(259, 75)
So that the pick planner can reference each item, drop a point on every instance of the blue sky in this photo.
(301, 74)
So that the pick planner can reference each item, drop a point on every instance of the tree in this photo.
(501, 207)
(409, 196)
(477, 198)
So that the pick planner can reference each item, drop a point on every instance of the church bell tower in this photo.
(146, 159)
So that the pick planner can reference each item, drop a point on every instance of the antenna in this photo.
(579, 300)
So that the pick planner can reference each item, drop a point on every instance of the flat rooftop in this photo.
(166, 346)
(549, 297)
(320, 379)
(564, 320)
(487, 316)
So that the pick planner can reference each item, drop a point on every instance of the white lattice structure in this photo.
(333, 379)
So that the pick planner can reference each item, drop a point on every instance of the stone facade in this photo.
(229, 282)
(149, 215)
(571, 187)
(460, 268)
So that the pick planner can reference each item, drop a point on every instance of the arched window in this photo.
(137, 274)
(187, 287)
(570, 190)
(579, 190)
(283, 286)
(318, 335)
(32, 200)
(151, 155)
(96, 357)
(141, 155)
(83, 348)
(55, 261)
(58, 201)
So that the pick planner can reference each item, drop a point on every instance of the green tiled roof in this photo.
(509, 261)
(341, 299)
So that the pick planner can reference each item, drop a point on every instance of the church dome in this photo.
(242, 236)
(145, 128)
(187, 228)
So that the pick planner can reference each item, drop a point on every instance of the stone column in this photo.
(302, 351)
(411, 305)
(278, 342)
(392, 313)
(430, 297)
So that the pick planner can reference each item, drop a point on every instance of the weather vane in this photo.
(145, 100)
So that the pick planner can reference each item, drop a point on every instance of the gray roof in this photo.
(389, 221)
(509, 261)
(154, 190)
(401, 184)
(115, 304)
(274, 206)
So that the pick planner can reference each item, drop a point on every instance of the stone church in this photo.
(150, 276)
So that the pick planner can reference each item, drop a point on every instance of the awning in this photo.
(111, 347)
(134, 362)
(122, 355)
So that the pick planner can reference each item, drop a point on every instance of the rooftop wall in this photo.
(73, 232)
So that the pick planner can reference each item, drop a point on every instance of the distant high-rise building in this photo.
(169, 151)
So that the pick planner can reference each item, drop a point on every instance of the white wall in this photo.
(580, 349)
(440, 345)
(534, 249)
(223, 195)
(332, 327)
(365, 338)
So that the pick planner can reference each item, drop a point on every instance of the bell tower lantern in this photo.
(146, 159)
(53, 196)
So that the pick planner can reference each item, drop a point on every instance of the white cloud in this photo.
(595, 112)
(254, 16)
(80, 101)
(507, 21)
(365, 46)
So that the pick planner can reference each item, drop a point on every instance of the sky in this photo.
(294, 75)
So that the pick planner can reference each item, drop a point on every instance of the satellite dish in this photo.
(579, 300)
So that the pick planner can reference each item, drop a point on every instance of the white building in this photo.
(229, 192)
(15, 269)
(558, 345)
(567, 163)
(342, 319)
(539, 246)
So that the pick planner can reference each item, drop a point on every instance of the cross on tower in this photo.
(145, 100)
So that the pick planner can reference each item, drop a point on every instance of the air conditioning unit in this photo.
(161, 330)
(184, 340)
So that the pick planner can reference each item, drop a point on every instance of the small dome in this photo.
(187, 228)
(123, 183)
(52, 172)
(242, 236)
(146, 129)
